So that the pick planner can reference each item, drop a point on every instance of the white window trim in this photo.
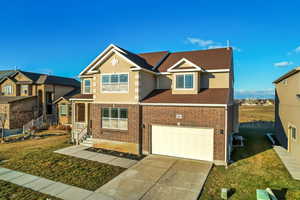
(10, 90)
(116, 92)
(67, 110)
(194, 79)
(109, 118)
(92, 70)
(84, 92)
(184, 60)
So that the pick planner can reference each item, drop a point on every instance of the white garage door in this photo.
(184, 142)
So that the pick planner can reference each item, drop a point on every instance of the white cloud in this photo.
(209, 44)
(296, 50)
(283, 64)
(200, 42)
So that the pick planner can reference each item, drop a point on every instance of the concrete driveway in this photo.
(159, 177)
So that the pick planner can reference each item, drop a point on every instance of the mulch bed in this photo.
(116, 153)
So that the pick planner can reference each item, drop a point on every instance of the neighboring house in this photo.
(287, 111)
(64, 108)
(27, 95)
(176, 104)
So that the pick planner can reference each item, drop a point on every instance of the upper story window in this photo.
(184, 81)
(114, 83)
(7, 90)
(24, 89)
(285, 82)
(87, 86)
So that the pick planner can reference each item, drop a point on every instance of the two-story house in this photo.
(177, 104)
(27, 95)
(287, 111)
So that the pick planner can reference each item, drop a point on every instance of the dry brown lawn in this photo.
(256, 113)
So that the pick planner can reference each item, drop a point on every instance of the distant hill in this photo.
(254, 94)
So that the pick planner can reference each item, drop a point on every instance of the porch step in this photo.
(86, 144)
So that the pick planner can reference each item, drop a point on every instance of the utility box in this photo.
(262, 195)
(224, 193)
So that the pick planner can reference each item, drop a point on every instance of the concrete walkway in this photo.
(52, 188)
(292, 165)
(80, 152)
(159, 177)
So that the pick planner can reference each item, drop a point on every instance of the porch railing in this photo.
(81, 135)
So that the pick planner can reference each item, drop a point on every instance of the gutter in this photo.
(184, 104)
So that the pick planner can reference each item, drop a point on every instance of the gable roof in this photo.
(161, 61)
(288, 74)
(68, 95)
(154, 58)
(192, 66)
(208, 59)
(38, 78)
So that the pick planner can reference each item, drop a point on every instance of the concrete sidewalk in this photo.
(292, 165)
(52, 188)
(81, 152)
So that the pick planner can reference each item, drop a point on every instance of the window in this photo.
(63, 109)
(115, 118)
(115, 83)
(185, 81)
(24, 89)
(285, 82)
(87, 86)
(80, 112)
(294, 133)
(7, 90)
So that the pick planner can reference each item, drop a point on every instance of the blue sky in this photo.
(62, 37)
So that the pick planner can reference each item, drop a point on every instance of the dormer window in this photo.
(184, 81)
(7, 90)
(87, 86)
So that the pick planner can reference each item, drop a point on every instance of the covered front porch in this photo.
(80, 121)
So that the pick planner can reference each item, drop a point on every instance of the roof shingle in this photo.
(206, 96)
(207, 59)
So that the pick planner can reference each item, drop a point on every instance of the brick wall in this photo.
(213, 117)
(22, 112)
(132, 135)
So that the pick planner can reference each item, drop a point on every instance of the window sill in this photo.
(114, 130)
(114, 92)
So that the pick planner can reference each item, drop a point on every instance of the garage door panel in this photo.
(186, 142)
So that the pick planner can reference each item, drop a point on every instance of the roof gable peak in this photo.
(173, 68)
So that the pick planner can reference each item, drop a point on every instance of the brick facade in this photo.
(140, 119)
(212, 117)
(132, 135)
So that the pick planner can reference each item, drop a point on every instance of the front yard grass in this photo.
(36, 157)
(256, 166)
(11, 191)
